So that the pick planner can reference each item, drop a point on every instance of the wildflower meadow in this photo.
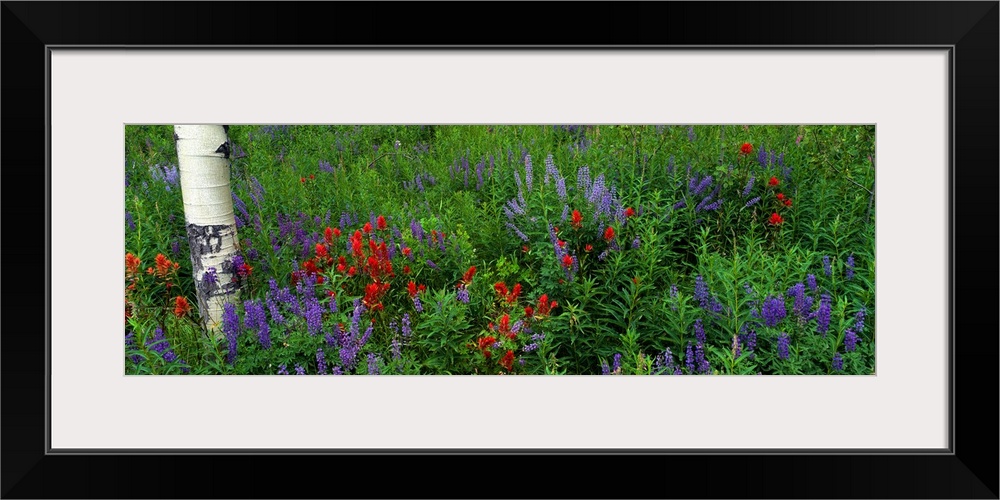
(514, 250)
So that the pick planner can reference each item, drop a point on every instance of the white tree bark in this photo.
(203, 162)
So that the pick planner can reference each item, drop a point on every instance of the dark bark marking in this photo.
(224, 149)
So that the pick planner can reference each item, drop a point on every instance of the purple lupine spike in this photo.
(838, 362)
(320, 361)
(783, 343)
(773, 310)
(823, 315)
(749, 186)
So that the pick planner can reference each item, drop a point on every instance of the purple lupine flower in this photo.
(849, 272)
(528, 177)
(336, 371)
(749, 186)
(565, 213)
(749, 337)
(697, 189)
(736, 347)
(783, 341)
(826, 265)
(561, 187)
(314, 316)
(605, 369)
(130, 345)
(773, 310)
(256, 317)
(635, 242)
(333, 303)
(680, 204)
(325, 166)
(373, 364)
(282, 370)
(803, 303)
(231, 327)
(583, 181)
(432, 265)
(463, 295)
(530, 347)
(417, 230)
(517, 232)
(850, 340)
(299, 370)
(701, 291)
(210, 278)
(396, 349)
(699, 331)
(691, 136)
(465, 173)
(811, 281)
(859, 321)
(551, 172)
(689, 358)
(616, 363)
(320, 361)
(703, 365)
(129, 221)
(838, 362)
(823, 314)
(367, 335)
(762, 157)
(417, 305)
(406, 330)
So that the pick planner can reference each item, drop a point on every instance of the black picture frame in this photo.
(968, 470)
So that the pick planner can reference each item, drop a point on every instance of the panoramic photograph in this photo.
(609, 249)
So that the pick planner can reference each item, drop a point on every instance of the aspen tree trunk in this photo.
(203, 161)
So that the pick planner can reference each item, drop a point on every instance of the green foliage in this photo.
(633, 294)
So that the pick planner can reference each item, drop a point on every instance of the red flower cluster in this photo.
(773, 181)
(629, 212)
(609, 234)
(131, 265)
(508, 360)
(775, 219)
(413, 289)
(577, 220)
(508, 295)
(567, 261)
(181, 307)
(544, 306)
(467, 277)
(164, 266)
(746, 148)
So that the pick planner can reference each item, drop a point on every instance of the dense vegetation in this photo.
(516, 250)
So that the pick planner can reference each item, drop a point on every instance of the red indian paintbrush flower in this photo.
(367, 228)
(629, 212)
(775, 219)
(746, 148)
(508, 360)
(577, 220)
(781, 196)
(467, 277)
(412, 288)
(529, 311)
(588, 248)
(609, 234)
(380, 222)
(181, 307)
(567, 261)
(773, 181)
(788, 202)
(131, 264)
